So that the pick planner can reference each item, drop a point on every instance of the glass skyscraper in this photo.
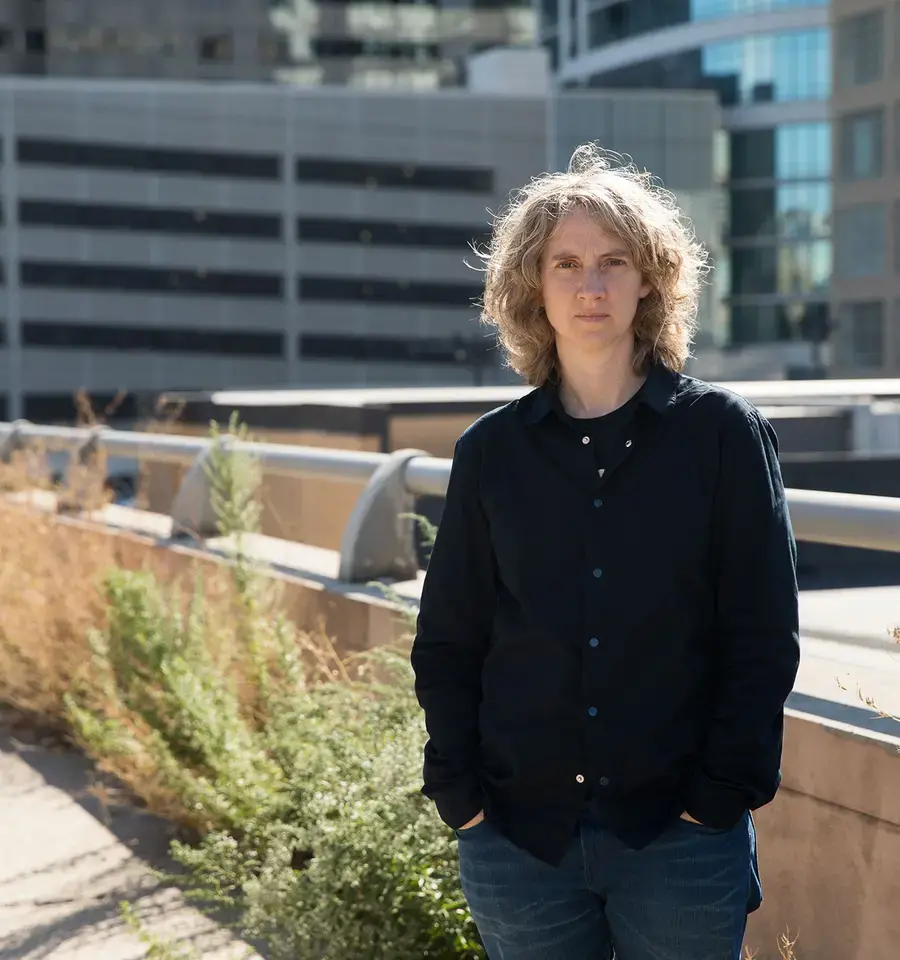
(768, 61)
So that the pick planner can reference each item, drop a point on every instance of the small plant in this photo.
(298, 772)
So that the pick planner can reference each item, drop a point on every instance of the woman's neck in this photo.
(593, 389)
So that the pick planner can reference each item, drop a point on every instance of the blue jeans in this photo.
(685, 896)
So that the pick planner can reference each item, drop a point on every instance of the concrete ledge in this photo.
(355, 617)
(829, 845)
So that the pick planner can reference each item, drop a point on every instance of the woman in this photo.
(608, 625)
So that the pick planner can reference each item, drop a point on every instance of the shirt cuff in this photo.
(459, 804)
(717, 805)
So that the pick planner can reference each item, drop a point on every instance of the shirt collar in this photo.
(659, 393)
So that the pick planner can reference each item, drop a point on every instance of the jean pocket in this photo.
(702, 828)
(476, 829)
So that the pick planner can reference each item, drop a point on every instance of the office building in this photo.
(377, 43)
(768, 62)
(865, 292)
(162, 235)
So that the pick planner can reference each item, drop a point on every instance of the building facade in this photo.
(768, 62)
(374, 43)
(161, 236)
(865, 290)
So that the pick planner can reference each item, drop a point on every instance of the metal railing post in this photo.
(378, 540)
(13, 441)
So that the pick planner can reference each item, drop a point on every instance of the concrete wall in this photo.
(830, 846)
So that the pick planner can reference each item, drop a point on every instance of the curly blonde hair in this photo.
(631, 206)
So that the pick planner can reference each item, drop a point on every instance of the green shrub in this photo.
(300, 773)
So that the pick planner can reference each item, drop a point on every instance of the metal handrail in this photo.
(841, 519)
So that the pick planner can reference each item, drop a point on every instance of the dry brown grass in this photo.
(49, 599)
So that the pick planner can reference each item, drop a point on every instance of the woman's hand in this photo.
(473, 822)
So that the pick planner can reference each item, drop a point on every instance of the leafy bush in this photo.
(300, 773)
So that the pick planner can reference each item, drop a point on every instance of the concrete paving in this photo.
(67, 860)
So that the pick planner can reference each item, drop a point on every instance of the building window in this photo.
(35, 41)
(754, 269)
(162, 280)
(792, 151)
(387, 291)
(897, 236)
(861, 143)
(112, 216)
(216, 48)
(860, 240)
(119, 156)
(372, 174)
(897, 136)
(549, 15)
(860, 48)
(101, 336)
(453, 350)
(759, 323)
(274, 49)
(861, 334)
(804, 268)
(378, 233)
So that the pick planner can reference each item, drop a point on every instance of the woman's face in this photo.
(590, 286)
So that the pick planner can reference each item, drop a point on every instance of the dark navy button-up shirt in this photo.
(637, 656)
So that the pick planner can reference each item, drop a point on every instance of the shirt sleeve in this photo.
(756, 629)
(454, 627)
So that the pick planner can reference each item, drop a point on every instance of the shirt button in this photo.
(594, 642)
(585, 439)
(598, 503)
(604, 781)
(592, 711)
(627, 443)
(598, 573)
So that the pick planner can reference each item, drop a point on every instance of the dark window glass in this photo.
(860, 340)
(216, 48)
(860, 48)
(35, 41)
(2, 333)
(90, 276)
(413, 175)
(753, 212)
(108, 216)
(861, 145)
(4, 407)
(62, 407)
(97, 336)
(754, 269)
(793, 65)
(387, 291)
(549, 14)
(341, 47)
(118, 156)
(760, 323)
(382, 233)
(323, 346)
(753, 154)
